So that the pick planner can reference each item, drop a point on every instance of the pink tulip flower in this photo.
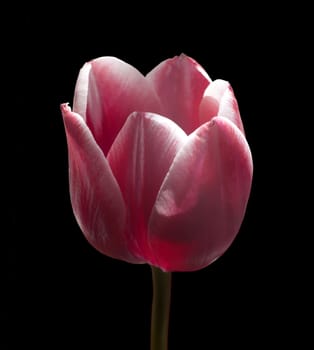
(159, 167)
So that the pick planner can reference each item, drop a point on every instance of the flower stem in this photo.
(160, 309)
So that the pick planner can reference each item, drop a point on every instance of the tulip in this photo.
(160, 170)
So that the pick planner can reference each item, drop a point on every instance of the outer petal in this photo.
(180, 83)
(140, 158)
(107, 91)
(219, 100)
(95, 195)
(202, 201)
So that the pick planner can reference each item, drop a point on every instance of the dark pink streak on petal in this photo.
(107, 91)
(219, 100)
(180, 83)
(140, 158)
(95, 195)
(202, 201)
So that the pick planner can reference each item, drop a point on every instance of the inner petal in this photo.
(219, 100)
(180, 83)
(107, 91)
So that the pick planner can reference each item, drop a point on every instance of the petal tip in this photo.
(65, 107)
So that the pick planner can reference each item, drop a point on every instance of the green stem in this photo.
(160, 309)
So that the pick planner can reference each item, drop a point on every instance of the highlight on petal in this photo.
(180, 83)
(107, 91)
(140, 158)
(219, 100)
(202, 202)
(95, 195)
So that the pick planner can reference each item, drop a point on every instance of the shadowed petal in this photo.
(140, 158)
(219, 100)
(180, 83)
(202, 201)
(107, 91)
(95, 195)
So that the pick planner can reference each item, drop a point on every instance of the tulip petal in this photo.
(180, 83)
(202, 201)
(95, 195)
(107, 91)
(219, 100)
(140, 158)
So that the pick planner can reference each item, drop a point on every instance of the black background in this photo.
(62, 292)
